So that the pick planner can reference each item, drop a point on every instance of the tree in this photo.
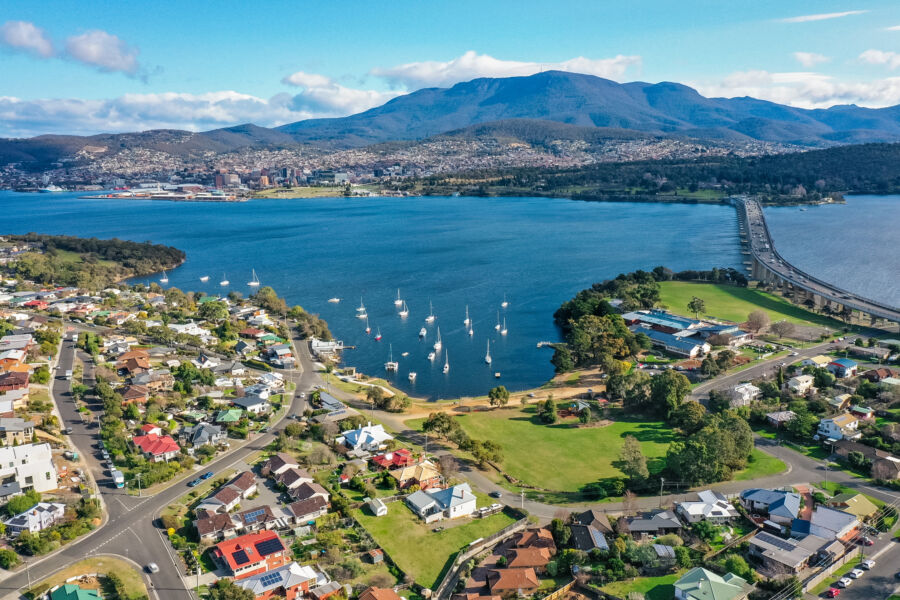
(689, 417)
(547, 410)
(499, 396)
(449, 465)
(560, 531)
(21, 503)
(632, 461)
(696, 306)
(757, 320)
(705, 530)
(225, 589)
(718, 401)
(667, 391)
(782, 328)
(8, 559)
(213, 311)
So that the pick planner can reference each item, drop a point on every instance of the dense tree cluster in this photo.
(449, 428)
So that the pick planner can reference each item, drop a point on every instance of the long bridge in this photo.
(769, 267)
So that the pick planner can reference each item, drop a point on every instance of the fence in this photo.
(731, 544)
(560, 592)
(819, 577)
(443, 589)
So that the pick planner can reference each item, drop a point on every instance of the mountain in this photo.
(589, 101)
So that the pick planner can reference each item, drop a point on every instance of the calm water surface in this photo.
(853, 245)
(451, 251)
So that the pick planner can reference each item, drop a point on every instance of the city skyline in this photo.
(105, 68)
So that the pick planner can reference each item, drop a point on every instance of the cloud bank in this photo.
(26, 37)
(822, 16)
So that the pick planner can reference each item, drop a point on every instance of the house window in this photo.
(29, 480)
(47, 475)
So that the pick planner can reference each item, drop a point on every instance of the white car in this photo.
(867, 564)
(153, 568)
(844, 582)
(856, 573)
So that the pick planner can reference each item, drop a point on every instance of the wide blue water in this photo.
(452, 251)
(853, 245)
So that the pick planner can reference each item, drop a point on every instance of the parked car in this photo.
(152, 568)
(856, 573)
(866, 541)
(867, 564)
(496, 494)
(844, 582)
(206, 475)
(833, 592)
(195, 482)
(67, 431)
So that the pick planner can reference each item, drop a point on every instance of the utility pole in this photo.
(522, 497)
(28, 572)
(662, 480)
(426, 444)
(138, 478)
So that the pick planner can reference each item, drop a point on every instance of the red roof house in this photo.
(253, 553)
(157, 447)
(394, 460)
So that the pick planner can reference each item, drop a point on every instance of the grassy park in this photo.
(420, 551)
(735, 303)
(760, 465)
(133, 583)
(561, 457)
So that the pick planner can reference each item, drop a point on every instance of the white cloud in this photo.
(810, 59)
(892, 28)
(324, 96)
(472, 65)
(103, 50)
(804, 89)
(881, 57)
(822, 16)
(139, 112)
(26, 37)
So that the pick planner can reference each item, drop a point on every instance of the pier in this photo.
(768, 266)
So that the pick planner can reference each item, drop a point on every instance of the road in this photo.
(130, 530)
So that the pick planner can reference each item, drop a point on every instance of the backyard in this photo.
(651, 588)
(734, 303)
(418, 550)
(562, 457)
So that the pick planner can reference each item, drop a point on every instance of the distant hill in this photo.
(589, 101)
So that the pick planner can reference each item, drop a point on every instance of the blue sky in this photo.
(85, 67)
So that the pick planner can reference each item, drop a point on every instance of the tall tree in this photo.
(782, 328)
(632, 461)
(499, 396)
(757, 320)
(696, 306)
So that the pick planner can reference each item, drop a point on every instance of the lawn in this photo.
(652, 588)
(760, 465)
(134, 584)
(734, 303)
(561, 457)
(419, 551)
(838, 573)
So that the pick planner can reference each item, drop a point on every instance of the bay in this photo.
(451, 251)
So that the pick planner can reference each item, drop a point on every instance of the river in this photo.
(451, 251)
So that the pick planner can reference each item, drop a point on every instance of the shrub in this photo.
(8, 558)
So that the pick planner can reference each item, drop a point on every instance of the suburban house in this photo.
(304, 511)
(31, 466)
(424, 474)
(451, 503)
(863, 412)
(394, 460)
(374, 593)
(819, 361)
(827, 523)
(203, 434)
(781, 507)
(596, 519)
(254, 519)
(886, 468)
(213, 526)
(37, 518)
(366, 438)
(588, 537)
(876, 375)
(278, 463)
(524, 558)
(252, 404)
(228, 496)
(293, 478)
(873, 353)
(840, 402)
(855, 504)
(71, 591)
(535, 538)
(650, 524)
(307, 490)
(509, 583)
(231, 415)
(289, 582)
(711, 506)
(743, 394)
(841, 427)
(700, 584)
(15, 431)
(779, 556)
(843, 367)
(156, 447)
(800, 384)
(135, 394)
(780, 418)
(250, 554)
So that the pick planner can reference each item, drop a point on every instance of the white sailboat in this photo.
(467, 320)
(164, 278)
(254, 282)
(446, 362)
(224, 281)
(437, 343)
(404, 310)
(431, 356)
(503, 330)
(487, 357)
(471, 331)
(399, 300)
(504, 304)
(361, 307)
(368, 329)
(430, 317)
(497, 326)
(404, 354)
(205, 278)
(391, 365)
(412, 375)
(423, 332)
(334, 300)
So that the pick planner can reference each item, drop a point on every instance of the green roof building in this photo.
(70, 591)
(700, 584)
(232, 415)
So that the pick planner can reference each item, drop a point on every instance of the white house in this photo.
(820, 361)
(712, 506)
(30, 465)
(368, 438)
(743, 394)
(800, 384)
(451, 503)
(377, 506)
(37, 518)
(841, 427)
(189, 328)
(253, 404)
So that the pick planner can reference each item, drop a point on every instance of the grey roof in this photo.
(782, 504)
(588, 537)
(663, 551)
(832, 519)
(420, 501)
(654, 522)
(248, 401)
(10, 489)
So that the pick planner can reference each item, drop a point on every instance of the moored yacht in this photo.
(430, 317)
(412, 375)
(404, 310)
(334, 300)
(466, 321)
(224, 281)
(205, 278)
(423, 332)
(504, 304)
(437, 343)
(503, 330)
(399, 300)
(487, 357)
(164, 278)
(378, 336)
(497, 326)
(446, 362)
(254, 282)
(391, 365)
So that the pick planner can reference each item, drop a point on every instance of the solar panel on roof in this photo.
(250, 517)
(267, 547)
(775, 541)
(240, 557)
(271, 578)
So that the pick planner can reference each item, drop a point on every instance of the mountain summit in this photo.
(586, 100)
